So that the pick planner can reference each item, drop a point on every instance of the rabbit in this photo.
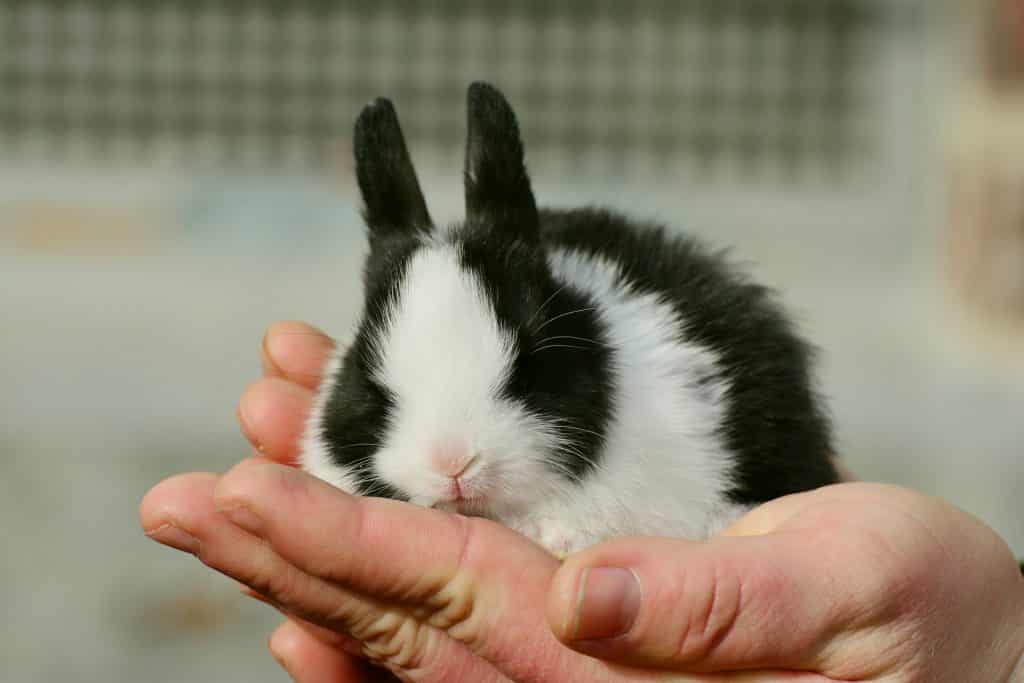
(573, 374)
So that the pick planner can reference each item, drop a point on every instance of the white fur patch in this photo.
(443, 339)
(664, 468)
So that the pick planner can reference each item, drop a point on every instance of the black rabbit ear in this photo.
(498, 190)
(387, 180)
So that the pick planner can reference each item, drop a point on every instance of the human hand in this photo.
(861, 582)
(847, 579)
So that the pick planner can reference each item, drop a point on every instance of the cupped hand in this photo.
(851, 582)
(855, 582)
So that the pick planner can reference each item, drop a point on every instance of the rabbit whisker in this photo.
(563, 315)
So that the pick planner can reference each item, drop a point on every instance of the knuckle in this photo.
(713, 606)
(453, 604)
(278, 581)
(700, 611)
(284, 586)
(393, 638)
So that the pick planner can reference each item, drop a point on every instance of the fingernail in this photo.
(177, 538)
(246, 424)
(248, 592)
(607, 604)
(270, 367)
(243, 517)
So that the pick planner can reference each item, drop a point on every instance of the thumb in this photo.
(727, 604)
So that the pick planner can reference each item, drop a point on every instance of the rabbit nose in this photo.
(451, 457)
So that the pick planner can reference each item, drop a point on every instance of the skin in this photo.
(852, 582)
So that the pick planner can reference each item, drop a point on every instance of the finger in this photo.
(393, 529)
(339, 641)
(307, 659)
(774, 601)
(180, 512)
(479, 582)
(296, 352)
(272, 414)
(310, 660)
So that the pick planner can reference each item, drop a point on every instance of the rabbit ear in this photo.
(498, 192)
(387, 180)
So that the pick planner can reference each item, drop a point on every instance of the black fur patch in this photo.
(359, 408)
(775, 424)
(563, 366)
(355, 420)
(393, 202)
(498, 192)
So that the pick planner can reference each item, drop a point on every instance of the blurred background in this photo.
(175, 176)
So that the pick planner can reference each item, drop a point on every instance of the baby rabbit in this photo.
(573, 374)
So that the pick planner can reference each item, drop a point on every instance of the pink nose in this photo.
(450, 457)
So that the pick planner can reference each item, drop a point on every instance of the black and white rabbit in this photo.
(572, 374)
